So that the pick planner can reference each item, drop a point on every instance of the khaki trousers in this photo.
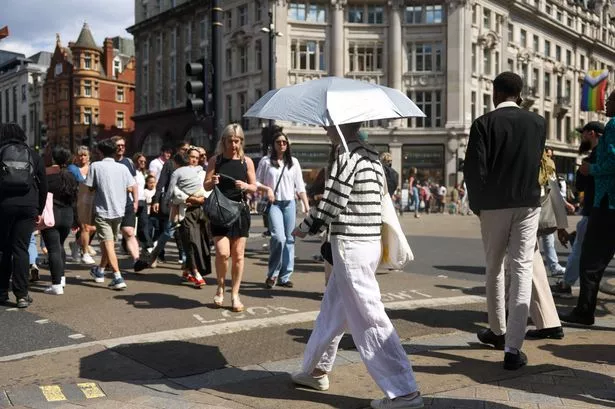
(512, 232)
(542, 307)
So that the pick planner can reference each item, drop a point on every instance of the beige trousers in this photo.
(542, 307)
(512, 232)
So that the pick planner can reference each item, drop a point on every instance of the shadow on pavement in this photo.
(159, 301)
(480, 270)
(302, 335)
(258, 290)
(597, 354)
(463, 320)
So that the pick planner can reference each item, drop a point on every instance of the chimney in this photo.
(108, 56)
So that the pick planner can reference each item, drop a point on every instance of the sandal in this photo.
(219, 297)
(236, 305)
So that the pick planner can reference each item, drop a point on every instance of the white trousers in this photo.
(512, 231)
(352, 300)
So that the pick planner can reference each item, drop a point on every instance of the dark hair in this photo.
(180, 159)
(267, 137)
(107, 148)
(12, 133)
(60, 156)
(179, 144)
(288, 156)
(166, 148)
(508, 83)
(148, 177)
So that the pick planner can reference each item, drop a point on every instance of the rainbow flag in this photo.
(593, 93)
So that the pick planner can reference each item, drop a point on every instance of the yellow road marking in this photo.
(53, 393)
(91, 390)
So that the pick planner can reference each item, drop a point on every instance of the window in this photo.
(87, 88)
(356, 14)
(474, 14)
(228, 21)
(486, 18)
(119, 94)
(119, 119)
(317, 13)
(145, 50)
(438, 56)
(23, 93)
(6, 107)
(473, 105)
(547, 85)
(229, 62)
(511, 65)
(258, 54)
(414, 15)
(558, 86)
(496, 57)
(558, 53)
(535, 75)
(474, 57)
(229, 108)
(297, 11)
(243, 99)
(548, 123)
(486, 103)
(568, 57)
(365, 57)
(548, 9)
(487, 61)
(159, 44)
(559, 16)
(243, 60)
(158, 73)
(568, 89)
(536, 43)
(523, 38)
(24, 124)
(375, 14)
(242, 15)
(158, 6)
(308, 55)
(116, 68)
(433, 14)
(570, 21)
(258, 11)
(582, 62)
(547, 48)
(203, 29)
(173, 69)
(188, 35)
(511, 33)
(87, 115)
(430, 102)
(423, 57)
(87, 61)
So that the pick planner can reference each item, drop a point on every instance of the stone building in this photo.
(89, 84)
(443, 54)
(21, 81)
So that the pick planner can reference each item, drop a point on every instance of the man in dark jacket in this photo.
(501, 172)
(20, 211)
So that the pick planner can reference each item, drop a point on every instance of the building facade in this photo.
(21, 99)
(443, 54)
(90, 89)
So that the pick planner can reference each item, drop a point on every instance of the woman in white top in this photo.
(283, 167)
(143, 227)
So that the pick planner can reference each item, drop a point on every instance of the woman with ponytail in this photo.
(64, 186)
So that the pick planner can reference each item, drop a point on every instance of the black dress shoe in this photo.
(553, 333)
(514, 361)
(486, 336)
(269, 283)
(577, 317)
(288, 284)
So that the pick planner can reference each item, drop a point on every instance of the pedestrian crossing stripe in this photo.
(53, 393)
(91, 390)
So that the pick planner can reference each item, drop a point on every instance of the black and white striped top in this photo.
(352, 201)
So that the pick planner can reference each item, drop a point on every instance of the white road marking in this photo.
(199, 318)
(11, 309)
(223, 328)
(76, 336)
(420, 293)
(442, 276)
(42, 321)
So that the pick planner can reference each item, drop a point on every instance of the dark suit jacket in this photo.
(503, 159)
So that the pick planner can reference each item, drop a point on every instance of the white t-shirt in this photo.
(140, 178)
(155, 166)
(292, 179)
(442, 191)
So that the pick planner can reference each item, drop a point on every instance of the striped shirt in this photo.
(352, 201)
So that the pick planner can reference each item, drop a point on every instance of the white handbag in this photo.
(396, 251)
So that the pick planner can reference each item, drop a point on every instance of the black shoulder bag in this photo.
(266, 210)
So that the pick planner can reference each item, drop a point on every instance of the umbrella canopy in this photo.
(333, 101)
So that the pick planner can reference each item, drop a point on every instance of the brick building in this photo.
(89, 84)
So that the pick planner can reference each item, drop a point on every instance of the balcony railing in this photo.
(563, 101)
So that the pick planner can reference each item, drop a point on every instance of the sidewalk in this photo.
(453, 371)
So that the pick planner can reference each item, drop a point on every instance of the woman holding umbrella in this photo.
(233, 172)
(279, 177)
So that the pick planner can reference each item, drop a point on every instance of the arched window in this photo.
(152, 144)
(197, 136)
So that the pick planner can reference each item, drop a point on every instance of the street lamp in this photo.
(272, 35)
(453, 146)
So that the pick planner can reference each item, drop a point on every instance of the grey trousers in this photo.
(511, 231)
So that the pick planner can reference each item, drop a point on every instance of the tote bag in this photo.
(48, 219)
(221, 210)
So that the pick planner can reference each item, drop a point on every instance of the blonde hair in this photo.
(83, 149)
(386, 157)
(231, 131)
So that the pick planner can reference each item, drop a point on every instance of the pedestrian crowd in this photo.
(201, 201)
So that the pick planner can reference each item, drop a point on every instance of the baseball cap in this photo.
(595, 126)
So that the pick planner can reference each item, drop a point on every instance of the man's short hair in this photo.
(386, 157)
(107, 147)
(508, 83)
(166, 148)
(180, 144)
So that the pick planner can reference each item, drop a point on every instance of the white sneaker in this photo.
(320, 383)
(55, 289)
(63, 282)
(75, 251)
(398, 403)
(87, 259)
(91, 251)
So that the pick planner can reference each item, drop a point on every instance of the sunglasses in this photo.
(281, 142)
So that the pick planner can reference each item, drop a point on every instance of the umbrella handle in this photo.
(339, 132)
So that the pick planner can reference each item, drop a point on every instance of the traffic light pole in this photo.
(271, 59)
(218, 98)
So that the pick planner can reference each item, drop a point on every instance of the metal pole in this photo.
(218, 116)
(71, 127)
(271, 59)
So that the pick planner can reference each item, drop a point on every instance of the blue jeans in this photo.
(550, 255)
(32, 251)
(574, 258)
(416, 200)
(282, 219)
(167, 233)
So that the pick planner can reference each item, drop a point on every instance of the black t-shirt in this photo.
(133, 171)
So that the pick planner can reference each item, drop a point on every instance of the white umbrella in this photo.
(332, 101)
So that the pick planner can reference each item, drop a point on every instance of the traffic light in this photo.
(43, 140)
(196, 86)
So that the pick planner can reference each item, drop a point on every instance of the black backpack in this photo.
(16, 168)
